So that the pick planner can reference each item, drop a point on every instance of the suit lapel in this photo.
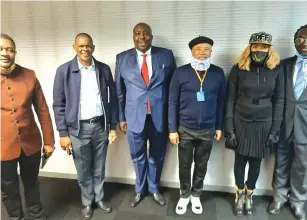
(303, 97)
(290, 73)
(155, 65)
(134, 64)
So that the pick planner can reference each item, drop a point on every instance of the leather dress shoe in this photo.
(299, 212)
(275, 207)
(136, 199)
(87, 212)
(159, 199)
(104, 206)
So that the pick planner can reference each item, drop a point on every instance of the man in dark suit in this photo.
(291, 181)
(142, 78)
(85, 109)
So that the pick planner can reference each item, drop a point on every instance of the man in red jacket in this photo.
(21, 140)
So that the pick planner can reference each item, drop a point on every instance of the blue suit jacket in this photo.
(133, 93)
(66, 96)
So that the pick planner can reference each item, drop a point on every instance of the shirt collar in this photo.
(148, 52)
(300, 58)
(81, 66)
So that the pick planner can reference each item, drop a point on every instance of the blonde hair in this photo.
(244, 61)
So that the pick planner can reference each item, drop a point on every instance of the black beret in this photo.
(200, 40)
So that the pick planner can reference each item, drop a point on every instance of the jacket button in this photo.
(12, 99)
(18, 132)
(9, 88)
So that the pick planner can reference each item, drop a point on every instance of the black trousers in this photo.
(191, 148)
(29, 168)
(253, 171)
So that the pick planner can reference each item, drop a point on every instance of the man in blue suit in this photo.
(142, 78)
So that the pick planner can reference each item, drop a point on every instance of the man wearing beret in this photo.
(196, 104)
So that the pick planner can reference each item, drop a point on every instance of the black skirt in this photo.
(252, 138)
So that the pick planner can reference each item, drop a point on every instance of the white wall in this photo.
(45, 31)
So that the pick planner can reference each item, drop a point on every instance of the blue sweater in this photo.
(185, 110)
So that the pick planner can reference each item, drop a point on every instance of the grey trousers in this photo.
(298, 181)
(282, 170)
(89, 150)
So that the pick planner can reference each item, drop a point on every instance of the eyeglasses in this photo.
(8, 49)
(300, 40)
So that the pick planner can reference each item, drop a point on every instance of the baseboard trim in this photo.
(170, 184)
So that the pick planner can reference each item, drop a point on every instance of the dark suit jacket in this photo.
(295, 112)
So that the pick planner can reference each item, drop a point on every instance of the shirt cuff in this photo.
(63, 133)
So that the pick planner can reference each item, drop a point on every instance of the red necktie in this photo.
(145, 76)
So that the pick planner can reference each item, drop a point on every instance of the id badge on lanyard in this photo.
(201, 96)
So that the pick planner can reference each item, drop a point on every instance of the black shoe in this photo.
(87, 212)
(136, 199)
(159, 199)
(299, 212)
(104, 206)
(275, 207)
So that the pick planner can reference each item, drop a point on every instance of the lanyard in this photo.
(201, 79)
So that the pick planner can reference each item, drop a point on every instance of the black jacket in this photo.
(255, 95)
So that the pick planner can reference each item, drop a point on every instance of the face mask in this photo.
(200, 65)
(259, 56)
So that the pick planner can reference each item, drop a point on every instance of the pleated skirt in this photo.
(252, 138)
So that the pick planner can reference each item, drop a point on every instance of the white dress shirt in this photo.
(148, 61)
(90, 100)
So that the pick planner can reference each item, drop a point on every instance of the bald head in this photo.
(84, 35)
(142, 37)
(144, 25)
